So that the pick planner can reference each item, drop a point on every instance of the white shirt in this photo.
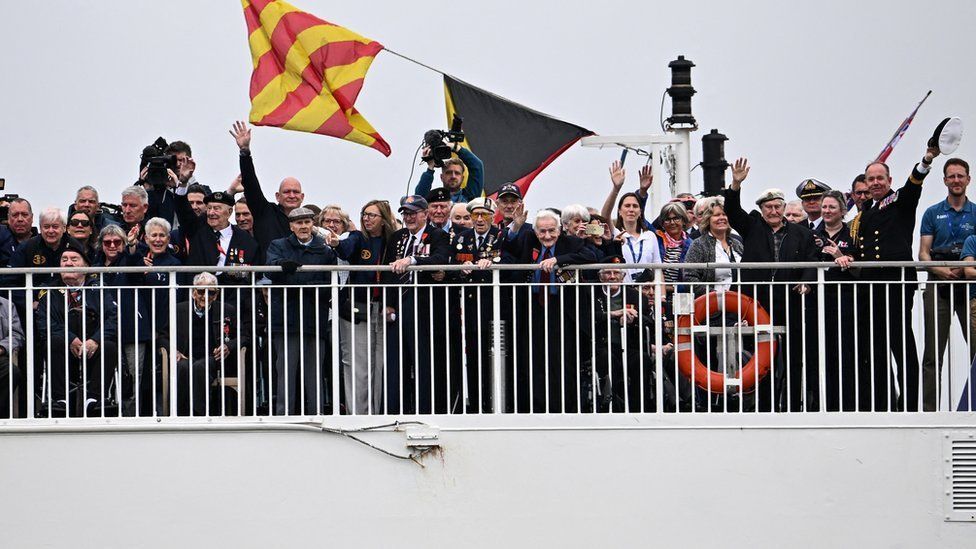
(224, 242)
(641, 249)
(723, 276)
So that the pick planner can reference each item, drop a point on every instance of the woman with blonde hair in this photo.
(716, 244)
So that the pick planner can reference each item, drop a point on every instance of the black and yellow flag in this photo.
(514, 141)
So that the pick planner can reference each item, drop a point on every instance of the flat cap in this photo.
(770, 194)
(300, 212)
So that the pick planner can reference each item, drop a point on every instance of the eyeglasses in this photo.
(370, 215)
(861, 193)
(79, 223)
(112, 243)
(332, 221)
(480, 215)
(673, 220)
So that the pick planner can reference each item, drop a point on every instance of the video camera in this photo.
(434, 140)
(5, 202)
(156, 162)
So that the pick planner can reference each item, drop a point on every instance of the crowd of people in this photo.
(421, 340)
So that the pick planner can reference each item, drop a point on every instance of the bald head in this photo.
(289, 195)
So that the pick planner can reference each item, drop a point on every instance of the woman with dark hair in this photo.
(838, 305)
(362, 316)
(82, 227)
(637, 244)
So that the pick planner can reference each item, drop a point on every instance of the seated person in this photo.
(76, 323)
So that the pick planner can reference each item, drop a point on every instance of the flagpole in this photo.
(400, 55)
(901, 129)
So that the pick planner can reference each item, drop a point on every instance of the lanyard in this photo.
(638, 256)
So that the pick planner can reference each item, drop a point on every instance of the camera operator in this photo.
(86, 200)
(452, 174)
(19, 228)
(944, 228)
(185, 165)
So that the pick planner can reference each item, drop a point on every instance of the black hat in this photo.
(810, 188)
(510, 188)
(645, 276)
(72, 245)
(613, 258)
(221, 197)
(440, 194)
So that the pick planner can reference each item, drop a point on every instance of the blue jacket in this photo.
(319, 293)
(476, 178)
(138, 303)
(360, 249)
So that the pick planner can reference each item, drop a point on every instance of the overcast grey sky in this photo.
(810, 89)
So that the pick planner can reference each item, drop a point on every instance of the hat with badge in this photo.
(811, 188)
(510, 189)
(413, 203)
(440, 194)
(300, 212)
(72, 245)
(770, 194)
(220, 197)
(947, 136)
(482, 203)
(613, 259)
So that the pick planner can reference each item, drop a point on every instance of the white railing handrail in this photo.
(494, 267)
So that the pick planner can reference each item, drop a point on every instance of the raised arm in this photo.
(476, 173)
(256, 200)
(617, 176)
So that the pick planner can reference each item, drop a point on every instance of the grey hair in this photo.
(138, 192)
(676, 208)
(87, 188)
(109, 230)
(575, 210)
(52, 214)
(204, 279)
(159, 222)
(547, 214)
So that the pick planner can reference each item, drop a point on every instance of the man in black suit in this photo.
(213, 241)
(480, 247)
(784, 292)
(549, 312)
(408, 309)
(208, 341)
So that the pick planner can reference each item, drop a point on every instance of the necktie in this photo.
(409, 251)
(221, 254)
(812, 224)
(480, 241)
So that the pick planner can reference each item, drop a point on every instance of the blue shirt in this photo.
(969, 250)
(476, 178)
(946, 226)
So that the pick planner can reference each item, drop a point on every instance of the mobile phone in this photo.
(3, 183)
(594, 230)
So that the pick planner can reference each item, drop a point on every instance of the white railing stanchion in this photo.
(497, 347)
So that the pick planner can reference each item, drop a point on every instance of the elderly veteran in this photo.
(479, 248)
(768, 238)
(300, 317)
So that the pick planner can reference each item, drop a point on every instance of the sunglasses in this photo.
(79, 223)
(481, 215)
(113, 243)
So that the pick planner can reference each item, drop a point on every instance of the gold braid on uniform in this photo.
(854, 225)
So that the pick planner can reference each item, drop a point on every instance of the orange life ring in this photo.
(708, 379)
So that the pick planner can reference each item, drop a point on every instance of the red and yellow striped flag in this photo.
(308, 73)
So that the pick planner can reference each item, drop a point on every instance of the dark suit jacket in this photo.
(223, 329)
(243, 249)
(434, 250)
(569, 250)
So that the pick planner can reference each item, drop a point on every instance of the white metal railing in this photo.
(579, 345)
